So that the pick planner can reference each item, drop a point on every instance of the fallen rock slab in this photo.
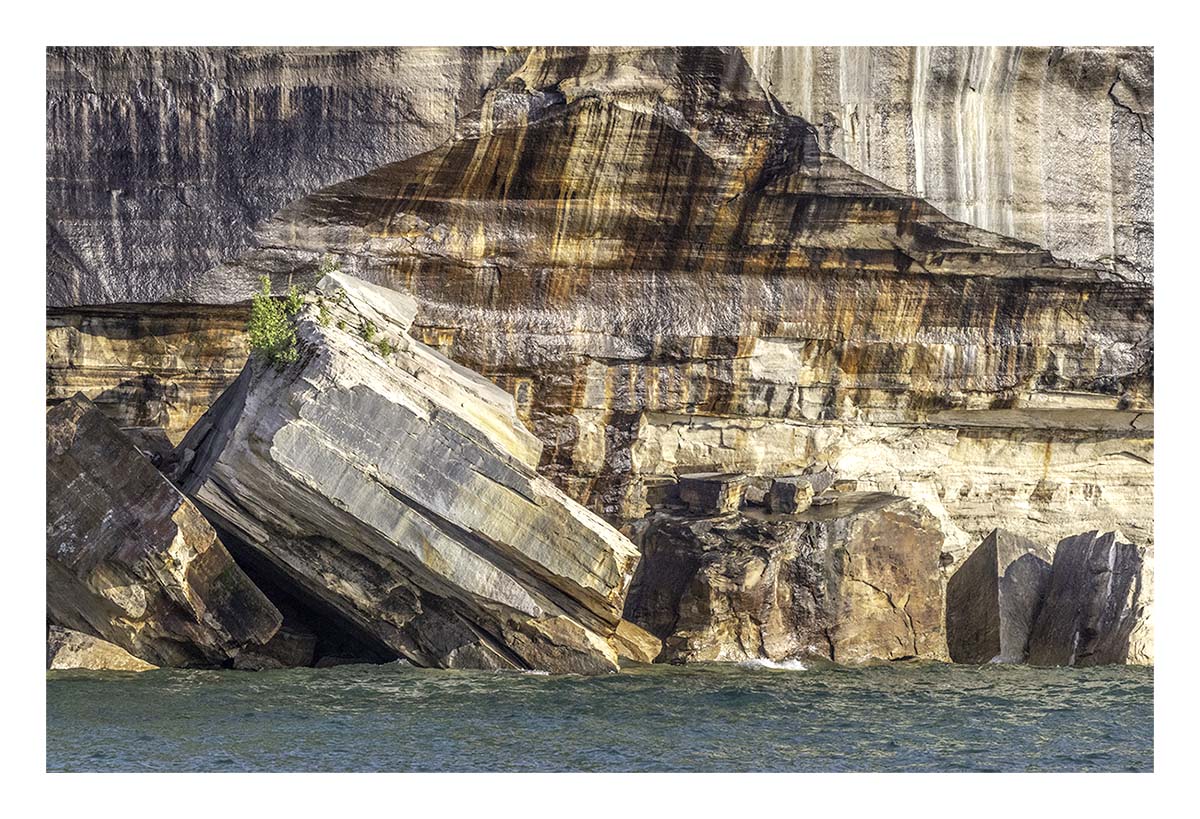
(994, 597)
(67, 649)
(400, 490)
(1093, 605)
(131, 560)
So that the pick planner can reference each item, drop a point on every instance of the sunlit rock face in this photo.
(154, 369)
(1050, 145)
(668, 273)
(672, 274)
(161, 161)
(386, 483)
(852, 581)
(131, 560)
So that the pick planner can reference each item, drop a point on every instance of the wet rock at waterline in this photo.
(399, 489)
(993, 598)
(854, 580)
(1093, 605)
(67, 649)
(131, 560)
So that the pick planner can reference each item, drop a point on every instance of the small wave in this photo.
(781, 665)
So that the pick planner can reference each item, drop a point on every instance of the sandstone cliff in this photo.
(665, 267)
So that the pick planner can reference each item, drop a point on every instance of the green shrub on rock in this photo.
(272, 334)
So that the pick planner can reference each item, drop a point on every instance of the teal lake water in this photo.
(899, 717)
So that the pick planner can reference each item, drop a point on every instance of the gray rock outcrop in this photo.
(1093, 605)
(400, 489)
(131, 560)
(994, 597)
(68, 649)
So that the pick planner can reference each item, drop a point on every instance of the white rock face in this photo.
(400, 488)
(1042, 484)
(1050, 145)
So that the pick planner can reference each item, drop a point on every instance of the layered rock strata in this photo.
(129, 559)
(1050, 145)
(855, 580)
(670, 276)
(1093, 604)
(67, 649)
(154, 369)
(993, 599)
(160, 162)
(400, 489)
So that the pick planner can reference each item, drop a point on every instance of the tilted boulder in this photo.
(855, 580)
(993, 598)
(67, 649)
(131, 560)
(1093, 605)
(401, 490)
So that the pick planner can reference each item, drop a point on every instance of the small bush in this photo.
(329, 264)
(341, 325)
(322, 312)
(367, 331)
(385, 347)
(272, 334)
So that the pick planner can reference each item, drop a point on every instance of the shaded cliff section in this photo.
(161, 162)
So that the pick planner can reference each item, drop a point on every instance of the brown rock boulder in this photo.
(130, 559)
(993, 598)
(855, 580)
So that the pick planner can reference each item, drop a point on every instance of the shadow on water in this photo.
(898, 717)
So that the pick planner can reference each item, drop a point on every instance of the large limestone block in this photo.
(400, 489)
(856, 580)
(130, 559)
(993, 598)
(1093, 605)
(66, 649)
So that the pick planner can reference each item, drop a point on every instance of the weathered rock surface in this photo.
(712, 493)
(672, 275)
(66, 649)
(670, 318)
(154, 369)
(994, 597)
(1050, 145)
(1093, 604)
(400, 489)
(857, 580)
(160, 161)
(131, 560)
(790, 494)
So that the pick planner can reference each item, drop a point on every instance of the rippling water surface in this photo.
(900, 717)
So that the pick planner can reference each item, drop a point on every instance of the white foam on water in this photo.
(782, 665)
